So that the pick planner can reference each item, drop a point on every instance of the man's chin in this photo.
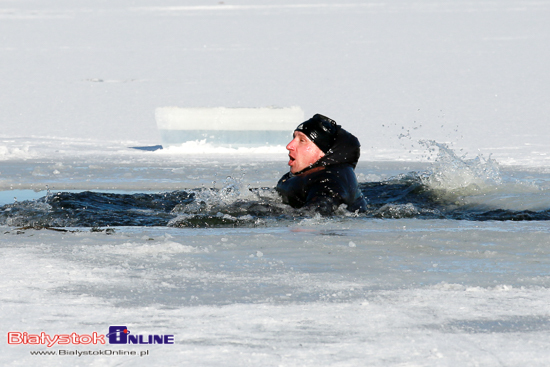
(294, 170)
(291, 165)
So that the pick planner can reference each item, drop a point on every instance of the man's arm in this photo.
(325, 196)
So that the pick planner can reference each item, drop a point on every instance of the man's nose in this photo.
(290, 146)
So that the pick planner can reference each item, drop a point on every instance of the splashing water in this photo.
(454, 174)
(453, 188)
(236, 203)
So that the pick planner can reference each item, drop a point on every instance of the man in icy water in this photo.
(322, 157)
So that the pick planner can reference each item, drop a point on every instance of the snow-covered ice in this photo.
(80, 84)
(408, 293)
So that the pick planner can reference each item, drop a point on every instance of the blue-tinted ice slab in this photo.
(228, 127)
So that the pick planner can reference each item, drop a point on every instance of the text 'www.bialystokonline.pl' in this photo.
(81, 353)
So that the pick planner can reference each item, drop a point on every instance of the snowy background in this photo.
(471, 73)
(80, 81)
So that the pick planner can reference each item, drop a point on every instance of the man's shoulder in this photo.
(335, 174)
(339, 171)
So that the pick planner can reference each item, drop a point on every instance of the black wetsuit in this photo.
(329, 182)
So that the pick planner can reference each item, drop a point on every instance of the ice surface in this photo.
(326, 291)
(80, 84)
(416, 293)
(221, 118)
(474, 74)
(227, 127)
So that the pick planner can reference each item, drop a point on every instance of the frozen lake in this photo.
(450, 265)
(394, 286)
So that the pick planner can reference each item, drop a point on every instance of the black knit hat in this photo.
(321, 130)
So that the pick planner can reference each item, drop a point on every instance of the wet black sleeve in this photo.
(325, 196)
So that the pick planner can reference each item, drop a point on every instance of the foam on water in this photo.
(458, 174)
(452, 187)
(478, 182)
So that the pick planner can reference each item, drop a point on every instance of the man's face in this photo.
(302, 152)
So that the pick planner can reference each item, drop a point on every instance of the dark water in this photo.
(403, 197)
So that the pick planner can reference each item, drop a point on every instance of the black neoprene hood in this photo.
(321, 130)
